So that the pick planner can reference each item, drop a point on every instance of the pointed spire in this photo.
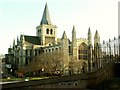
(73, 29)
(73, 33)
(89, 37)
(17, 40)
(97, 34)
(46, 17)
(89, 31)
(13, 43)
(64, 35)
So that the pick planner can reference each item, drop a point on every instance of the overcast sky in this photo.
(22, 16)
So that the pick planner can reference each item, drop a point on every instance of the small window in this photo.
(51, 31)
(56, 48)
(35, 52)
(26, 52)
(39, 51)
(30, 52)
(39, 31)
(26, 61)
(79, 57)
(78, 51)
(52, 49)
(47, 31)
(30, 59)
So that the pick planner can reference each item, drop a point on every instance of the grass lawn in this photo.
(22, 79)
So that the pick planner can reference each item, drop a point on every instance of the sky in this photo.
(22, 16)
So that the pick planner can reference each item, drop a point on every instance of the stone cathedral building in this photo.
(78, 50)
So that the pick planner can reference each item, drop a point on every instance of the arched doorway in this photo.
(84, 67)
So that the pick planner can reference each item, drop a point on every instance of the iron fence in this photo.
(103, 53)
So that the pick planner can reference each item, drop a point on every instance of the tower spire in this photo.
(73, 29)
(46, 17)
(73, 33)
(89, 36)
(64, 35)
(96, 38)
(97, 34)
(17, 40)
(89, 31)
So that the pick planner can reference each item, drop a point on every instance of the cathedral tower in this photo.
(65, 49)
(90, 61)
(46, 30)
(97, 61)
(74, 44)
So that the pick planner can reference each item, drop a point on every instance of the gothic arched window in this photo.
(82, 51)
(47, 31)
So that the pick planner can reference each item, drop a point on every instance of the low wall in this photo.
(86, 80)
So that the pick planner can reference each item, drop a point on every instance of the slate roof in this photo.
(33, 39)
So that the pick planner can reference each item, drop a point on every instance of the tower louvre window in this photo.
(47, 31)
(51, 31)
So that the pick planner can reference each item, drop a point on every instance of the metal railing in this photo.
(103, 53)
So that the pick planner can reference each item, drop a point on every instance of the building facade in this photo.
(78, 52)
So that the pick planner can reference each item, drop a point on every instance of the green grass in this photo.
(37, 78)
(22, 79)
(12, 79)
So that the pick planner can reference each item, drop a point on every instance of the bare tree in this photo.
(50, 62)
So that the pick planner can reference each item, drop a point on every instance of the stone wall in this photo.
(85, 80)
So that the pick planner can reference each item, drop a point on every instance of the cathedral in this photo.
(78, 51)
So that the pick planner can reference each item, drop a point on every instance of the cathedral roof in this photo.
(46, 17)
(33, 39)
